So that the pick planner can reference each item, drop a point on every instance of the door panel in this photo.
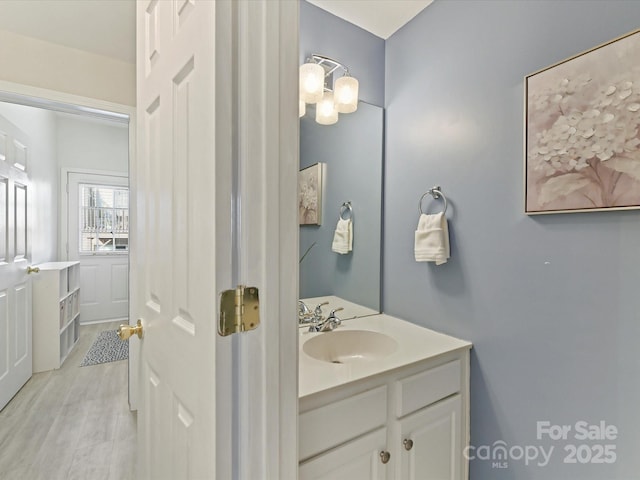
(437, 446)
(176, 269)
(4, 335)
(4, 219)
(23, 332)
(15, 249)
(20, 212)
(120, 284)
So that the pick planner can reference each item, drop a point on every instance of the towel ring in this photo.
(346, 207)
(435, 192)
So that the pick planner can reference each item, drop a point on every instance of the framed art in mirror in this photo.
(310, 194)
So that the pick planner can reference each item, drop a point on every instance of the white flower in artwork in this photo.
(583, 131)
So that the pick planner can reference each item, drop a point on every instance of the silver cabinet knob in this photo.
(408, 443)
(385, 457)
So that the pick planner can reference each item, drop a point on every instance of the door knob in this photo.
(385, 457)
(126, 331)
(31, 269)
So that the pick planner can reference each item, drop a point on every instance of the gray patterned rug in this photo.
(106, 348)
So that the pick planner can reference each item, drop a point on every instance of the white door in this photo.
(98, 236)
(175, 258)
(214, 192)
(15, 254)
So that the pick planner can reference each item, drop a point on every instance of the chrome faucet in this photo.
(306, 316)
(331, 323)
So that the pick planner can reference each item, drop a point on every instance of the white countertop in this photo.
(414, 344)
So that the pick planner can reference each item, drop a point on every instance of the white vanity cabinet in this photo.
(356, 459)
(430, 444)
(407, 423)
(56, 313)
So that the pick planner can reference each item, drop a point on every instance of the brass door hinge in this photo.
(239, 310)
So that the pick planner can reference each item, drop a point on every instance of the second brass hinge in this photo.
(239, 310)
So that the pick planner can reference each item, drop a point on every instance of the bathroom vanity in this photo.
(383, 399)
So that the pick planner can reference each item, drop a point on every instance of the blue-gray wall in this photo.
(550, 302)
(361, 51)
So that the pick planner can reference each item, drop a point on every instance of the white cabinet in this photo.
(357, 459)
(56, 313)
(429, 441)
(406, 424)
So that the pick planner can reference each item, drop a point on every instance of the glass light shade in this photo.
(302, 108)
(311, 82)
(326, 114)
(346, 94)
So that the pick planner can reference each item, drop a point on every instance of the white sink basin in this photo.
(350, 346)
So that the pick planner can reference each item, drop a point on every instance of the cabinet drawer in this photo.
(338, 422)
(425, 388)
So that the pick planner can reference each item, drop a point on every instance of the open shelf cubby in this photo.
(56, 313)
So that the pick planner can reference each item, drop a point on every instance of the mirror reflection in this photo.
(350, 154)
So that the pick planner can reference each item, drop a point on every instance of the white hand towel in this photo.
(432, 239)
(343, 237)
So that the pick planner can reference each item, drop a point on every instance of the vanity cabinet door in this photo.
(358, 459)
(430, 442)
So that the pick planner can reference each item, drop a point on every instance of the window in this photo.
(104, 219)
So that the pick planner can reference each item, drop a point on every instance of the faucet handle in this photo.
(318, 309)
(332, 317)
(302, 308)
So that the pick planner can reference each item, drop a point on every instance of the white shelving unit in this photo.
(56, 313)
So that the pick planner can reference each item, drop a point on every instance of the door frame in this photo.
(61, 101)
(257, 72)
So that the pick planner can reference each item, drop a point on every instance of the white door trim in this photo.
(29, 95)
(265, 68)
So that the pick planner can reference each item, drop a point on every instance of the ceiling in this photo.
(380, 17)
(107, 27)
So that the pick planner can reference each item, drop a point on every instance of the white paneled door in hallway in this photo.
(15, 255)
(98, 236)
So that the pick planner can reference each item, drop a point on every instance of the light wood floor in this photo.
(71, 424)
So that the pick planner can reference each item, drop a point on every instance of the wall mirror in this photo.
(352, 151)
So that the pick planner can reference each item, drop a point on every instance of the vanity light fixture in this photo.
(311, 82)
(326, 112)
(317, 87)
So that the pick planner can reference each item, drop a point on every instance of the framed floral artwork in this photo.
(582, 131)
(310, 194)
